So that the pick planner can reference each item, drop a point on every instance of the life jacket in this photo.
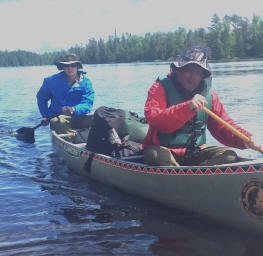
(192, 133)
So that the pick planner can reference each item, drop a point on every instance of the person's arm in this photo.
(87, 99)
(165, 119)
(43, 96)
(221, 133)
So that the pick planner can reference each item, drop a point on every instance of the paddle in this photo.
(27, 134)
(229, 127)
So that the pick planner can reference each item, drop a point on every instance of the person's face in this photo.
(71, 70)
(190, 76)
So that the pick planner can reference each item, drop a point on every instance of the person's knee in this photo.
(150, 155)
(159, 156)
(230, 156)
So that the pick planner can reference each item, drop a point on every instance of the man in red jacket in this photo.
(177, 124)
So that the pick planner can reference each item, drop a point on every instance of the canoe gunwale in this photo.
(255, 165)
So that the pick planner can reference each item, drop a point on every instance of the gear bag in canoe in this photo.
(116, 132)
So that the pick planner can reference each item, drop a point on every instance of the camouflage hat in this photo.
(194, 55)
(68, 59)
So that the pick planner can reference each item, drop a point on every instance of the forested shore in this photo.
(232, 37)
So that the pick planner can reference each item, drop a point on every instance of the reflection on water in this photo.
(48, 210)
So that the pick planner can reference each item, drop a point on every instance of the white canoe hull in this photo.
(231, 194)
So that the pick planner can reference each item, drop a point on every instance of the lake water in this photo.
(48, 210)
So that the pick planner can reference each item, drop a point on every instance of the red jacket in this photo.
(167, 120)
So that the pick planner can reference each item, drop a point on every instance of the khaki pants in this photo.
(210, 155)
(63, 124)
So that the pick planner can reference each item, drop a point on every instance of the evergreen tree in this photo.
(214, 38)
(233, 36)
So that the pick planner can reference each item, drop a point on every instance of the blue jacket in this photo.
(56, 89)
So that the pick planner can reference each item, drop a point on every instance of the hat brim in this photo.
(69, 62)
(61, 63)
(184, 64)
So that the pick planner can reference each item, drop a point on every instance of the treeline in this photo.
(230, 37)
(26, 58)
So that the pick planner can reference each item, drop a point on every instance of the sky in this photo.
(47, 25)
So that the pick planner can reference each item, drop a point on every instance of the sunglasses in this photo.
(73, 65)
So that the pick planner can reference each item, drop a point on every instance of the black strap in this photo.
(87, 165)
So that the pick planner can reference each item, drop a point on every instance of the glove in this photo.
(45, 121)
(68, 110)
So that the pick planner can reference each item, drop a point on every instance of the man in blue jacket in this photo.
(70, 94)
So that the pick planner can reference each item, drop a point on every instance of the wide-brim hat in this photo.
(195, 55)
(68, 59)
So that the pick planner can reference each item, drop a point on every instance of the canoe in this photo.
(231, 194)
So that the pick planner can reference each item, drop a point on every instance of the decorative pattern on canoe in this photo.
(177, 170)
(190, 170)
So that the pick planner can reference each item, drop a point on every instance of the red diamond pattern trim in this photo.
(165, 172)
(173, 171)
(208, 171)
(158, 171)
(218, 171)
(228, 170)
(181, 172)
(239, 170)
(198, 171)
(189, 172)
(251, 169)
(151, 170)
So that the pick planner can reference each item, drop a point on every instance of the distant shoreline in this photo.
(170, 60)
(236, 60)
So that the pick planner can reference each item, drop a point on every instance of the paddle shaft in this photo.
(37, 126)
(230, 127)
(227, 125)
